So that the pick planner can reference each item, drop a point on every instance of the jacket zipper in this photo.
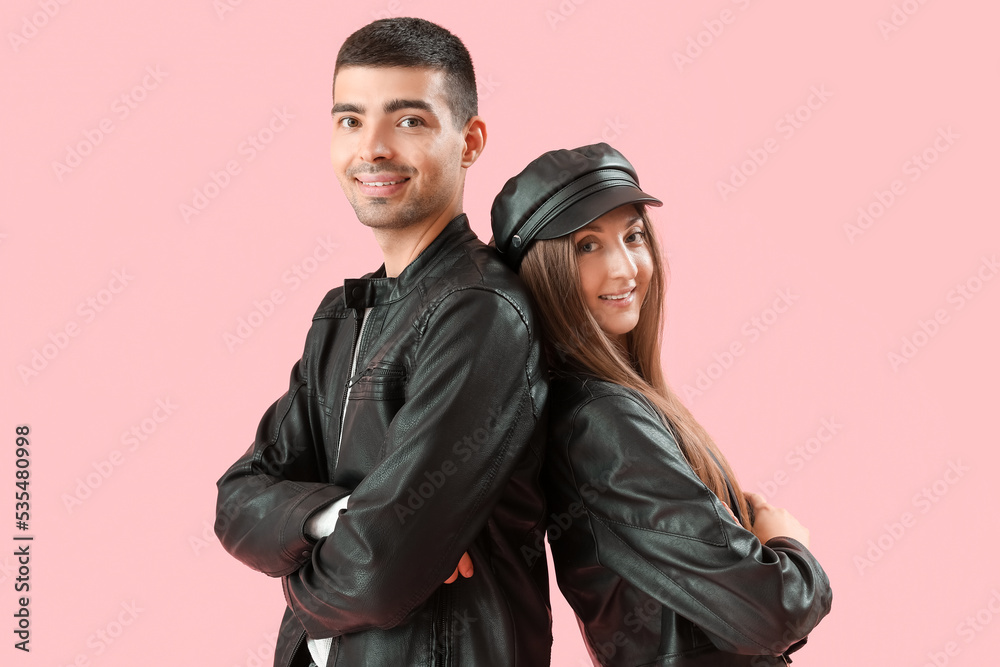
(359, 330)
(295, 649)
(442, 639)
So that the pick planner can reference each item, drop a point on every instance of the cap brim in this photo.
(590, 208)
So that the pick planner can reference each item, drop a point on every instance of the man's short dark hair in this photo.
(413, 42)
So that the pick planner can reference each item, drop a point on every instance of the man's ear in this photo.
(475, 141)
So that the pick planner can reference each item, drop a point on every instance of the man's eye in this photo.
(410, 122)
(348, 122)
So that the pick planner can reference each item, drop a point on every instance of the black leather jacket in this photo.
(656, 569)
(440, 455)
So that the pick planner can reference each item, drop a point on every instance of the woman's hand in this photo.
(464, 568)
(771, 521)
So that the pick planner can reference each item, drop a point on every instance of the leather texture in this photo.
(653, 565)
(441, 453)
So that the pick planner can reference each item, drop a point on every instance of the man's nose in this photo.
(375, 144)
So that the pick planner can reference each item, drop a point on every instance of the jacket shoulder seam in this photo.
(607, 521)
(626, 396)
(428, 313)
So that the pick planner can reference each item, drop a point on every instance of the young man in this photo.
(408, 446)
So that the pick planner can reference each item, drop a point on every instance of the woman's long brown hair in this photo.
(550, 271)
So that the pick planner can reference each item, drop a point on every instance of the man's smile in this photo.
(380, 184)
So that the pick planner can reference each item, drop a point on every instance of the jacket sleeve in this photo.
(265, 498)
(472, 404)
(658, 526)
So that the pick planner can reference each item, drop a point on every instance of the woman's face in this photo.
(615, 268)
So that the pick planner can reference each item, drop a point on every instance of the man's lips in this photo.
(380, 185)
(382, 177)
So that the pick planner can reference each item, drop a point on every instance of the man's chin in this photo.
(381, 219)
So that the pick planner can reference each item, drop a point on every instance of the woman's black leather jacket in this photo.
(656, 569)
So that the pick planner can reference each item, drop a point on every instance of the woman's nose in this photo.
(621, 263)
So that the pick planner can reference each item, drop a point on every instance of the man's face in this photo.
(395, 147)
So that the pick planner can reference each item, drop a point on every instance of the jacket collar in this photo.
(376, 289)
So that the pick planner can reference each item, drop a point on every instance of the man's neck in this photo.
(402, 246)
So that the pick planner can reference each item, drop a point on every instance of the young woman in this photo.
(663, 558)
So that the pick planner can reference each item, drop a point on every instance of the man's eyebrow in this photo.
(347, 107)
(395, 105)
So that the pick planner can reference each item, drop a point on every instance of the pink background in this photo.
(552, 75)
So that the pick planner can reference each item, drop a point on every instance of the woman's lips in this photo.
(619, 298)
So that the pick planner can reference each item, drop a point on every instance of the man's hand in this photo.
(464, 568)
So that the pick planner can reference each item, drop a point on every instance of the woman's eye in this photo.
(588, 246)
(635, 237)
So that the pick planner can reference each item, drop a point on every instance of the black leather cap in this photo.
(560, 192)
